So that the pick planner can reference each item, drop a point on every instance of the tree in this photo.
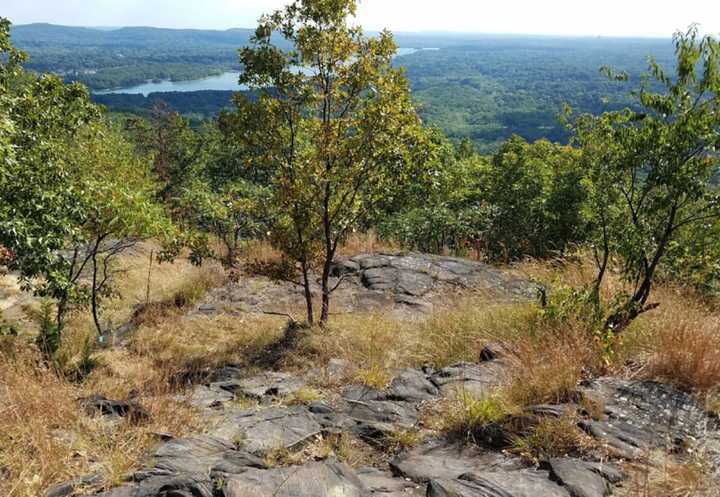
(174, 146)
(649, 168)
(120, 207)
(333, 123)
(72, 191)
(234, 212)
(39, 211)
(537, 194)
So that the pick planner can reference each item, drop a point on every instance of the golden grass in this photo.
(187, 346)
(679, 343)
(666, 475)
(553, 437)
(465, 416)
(365, 243)
(45, 438)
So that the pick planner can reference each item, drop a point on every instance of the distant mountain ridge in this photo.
(51, 35)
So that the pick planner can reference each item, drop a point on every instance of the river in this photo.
(224, 82)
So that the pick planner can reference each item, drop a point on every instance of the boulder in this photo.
(204, 397)
(439, 459)
(411, 385)
(644, 415)
(472, 379)
(198, 457)
(69, 488)
(383, 484)
(374, 415)
(164, 486)
(519, 483)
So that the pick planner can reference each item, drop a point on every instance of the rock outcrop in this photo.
(229, 460)
(408, 285)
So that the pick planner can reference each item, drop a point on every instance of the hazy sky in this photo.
(565, 17)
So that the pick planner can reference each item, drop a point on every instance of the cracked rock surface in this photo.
(229, 460)
(408, 285)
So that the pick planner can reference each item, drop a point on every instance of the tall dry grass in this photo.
(45, 438)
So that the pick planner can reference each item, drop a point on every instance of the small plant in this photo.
(49, 335)
(468, 415)
(401, 440)
(338, 445)
(303, 395)
(84, 365)
(552, 437)
(374, 376)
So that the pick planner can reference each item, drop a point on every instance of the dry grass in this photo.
(465, 416)
(183, 347)
(366, 243)
(553, 437)
(45, 438)
(548, 367)
(679, 343)
(664, 475)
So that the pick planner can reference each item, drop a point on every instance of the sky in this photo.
(646, 18)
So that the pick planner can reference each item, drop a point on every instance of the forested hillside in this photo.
(488, 89)
(484, 88)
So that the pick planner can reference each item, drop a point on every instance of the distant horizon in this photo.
(419, 32)
(555, 18)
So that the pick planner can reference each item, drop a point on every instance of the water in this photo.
(224, 82)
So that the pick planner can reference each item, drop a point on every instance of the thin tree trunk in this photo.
(308, 293)
(325, 314)
(94, 290)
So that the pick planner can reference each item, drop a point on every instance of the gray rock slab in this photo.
(442, 460)
(267, 384)
(412, 385)
(205, 397)
(642, 415)
(384, 484)
(262, 430)
(199, 456)
(471, 379)
(577, 478)
(319, 479)
(520, 483)
(164, 486)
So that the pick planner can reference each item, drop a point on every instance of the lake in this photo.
(223, 82)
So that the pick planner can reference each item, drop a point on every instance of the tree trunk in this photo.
(308, 293)
(638, 303)
(325, 314)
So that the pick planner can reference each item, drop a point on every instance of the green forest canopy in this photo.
(484, 88)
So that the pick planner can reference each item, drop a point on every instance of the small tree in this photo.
(39, 208)
(333, 123)
(537, 193)
(649, 168)
(175, 148)
(234, 212)
(119, 201)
